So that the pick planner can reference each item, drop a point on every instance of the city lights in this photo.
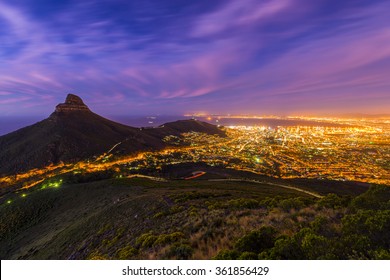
(352, 150)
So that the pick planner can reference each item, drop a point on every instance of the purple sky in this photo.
(171, 57)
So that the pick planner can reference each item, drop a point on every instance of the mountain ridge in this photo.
(73, 132)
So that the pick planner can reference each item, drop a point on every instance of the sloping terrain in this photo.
(74, 133)
(68, 137)
(181, 126)
(154, 218)
(77, 220)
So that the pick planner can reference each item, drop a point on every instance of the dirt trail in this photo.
(272, 184)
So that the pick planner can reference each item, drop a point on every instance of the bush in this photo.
(164, 239)
(354, 246)
(286, 248)
(159, 215)
(270, 202)
(375, 225)
(248, 256)
(243, 203)
(291, 203)
(95, 255)
(381, 254)
(323, 226)
(146, 240)
(332, 201)
(376, 198)
(227, 255)
(316, 247)
(256, 241)
(127, 252)
(180, 251)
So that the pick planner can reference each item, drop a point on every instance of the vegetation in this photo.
(120, 218)
(358, 230)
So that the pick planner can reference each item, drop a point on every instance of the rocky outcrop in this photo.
(72, 103)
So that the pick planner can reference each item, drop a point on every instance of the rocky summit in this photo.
(72, 103)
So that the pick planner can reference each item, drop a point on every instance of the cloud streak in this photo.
(228, 56)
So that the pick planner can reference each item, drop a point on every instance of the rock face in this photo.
(72, 103)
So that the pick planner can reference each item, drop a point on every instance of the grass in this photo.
(139, 218)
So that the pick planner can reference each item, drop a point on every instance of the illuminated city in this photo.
(194, 130)
(352, 150)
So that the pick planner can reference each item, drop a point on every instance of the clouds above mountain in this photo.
(271, 56)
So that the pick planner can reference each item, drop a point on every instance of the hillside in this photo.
(74, 133)
(141, 218)
(182, 126)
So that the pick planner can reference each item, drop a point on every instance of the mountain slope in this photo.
(181, 126)
(73, 133)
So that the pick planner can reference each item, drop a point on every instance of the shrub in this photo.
(159, 215)
(180, 251)
(332, 201)
(227, 255)
(291, 203)
(316, 247)
(256, 241)
(248, 256)
(354, 246)
(376, 198)
(322, 226)
(375, 225)
(270, 202)
(146, 240)
(164, 239)
(381, 254)
(127, 252)
(176, 209)
(95, 255)
(244, 203)
(286, 248)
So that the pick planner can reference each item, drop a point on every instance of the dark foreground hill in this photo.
(73, 132)
(139, 218)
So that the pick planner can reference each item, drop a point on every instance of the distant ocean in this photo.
(224, 121)
(10, 124)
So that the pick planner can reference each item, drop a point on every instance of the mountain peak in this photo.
(72, 103)
(73, 99)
